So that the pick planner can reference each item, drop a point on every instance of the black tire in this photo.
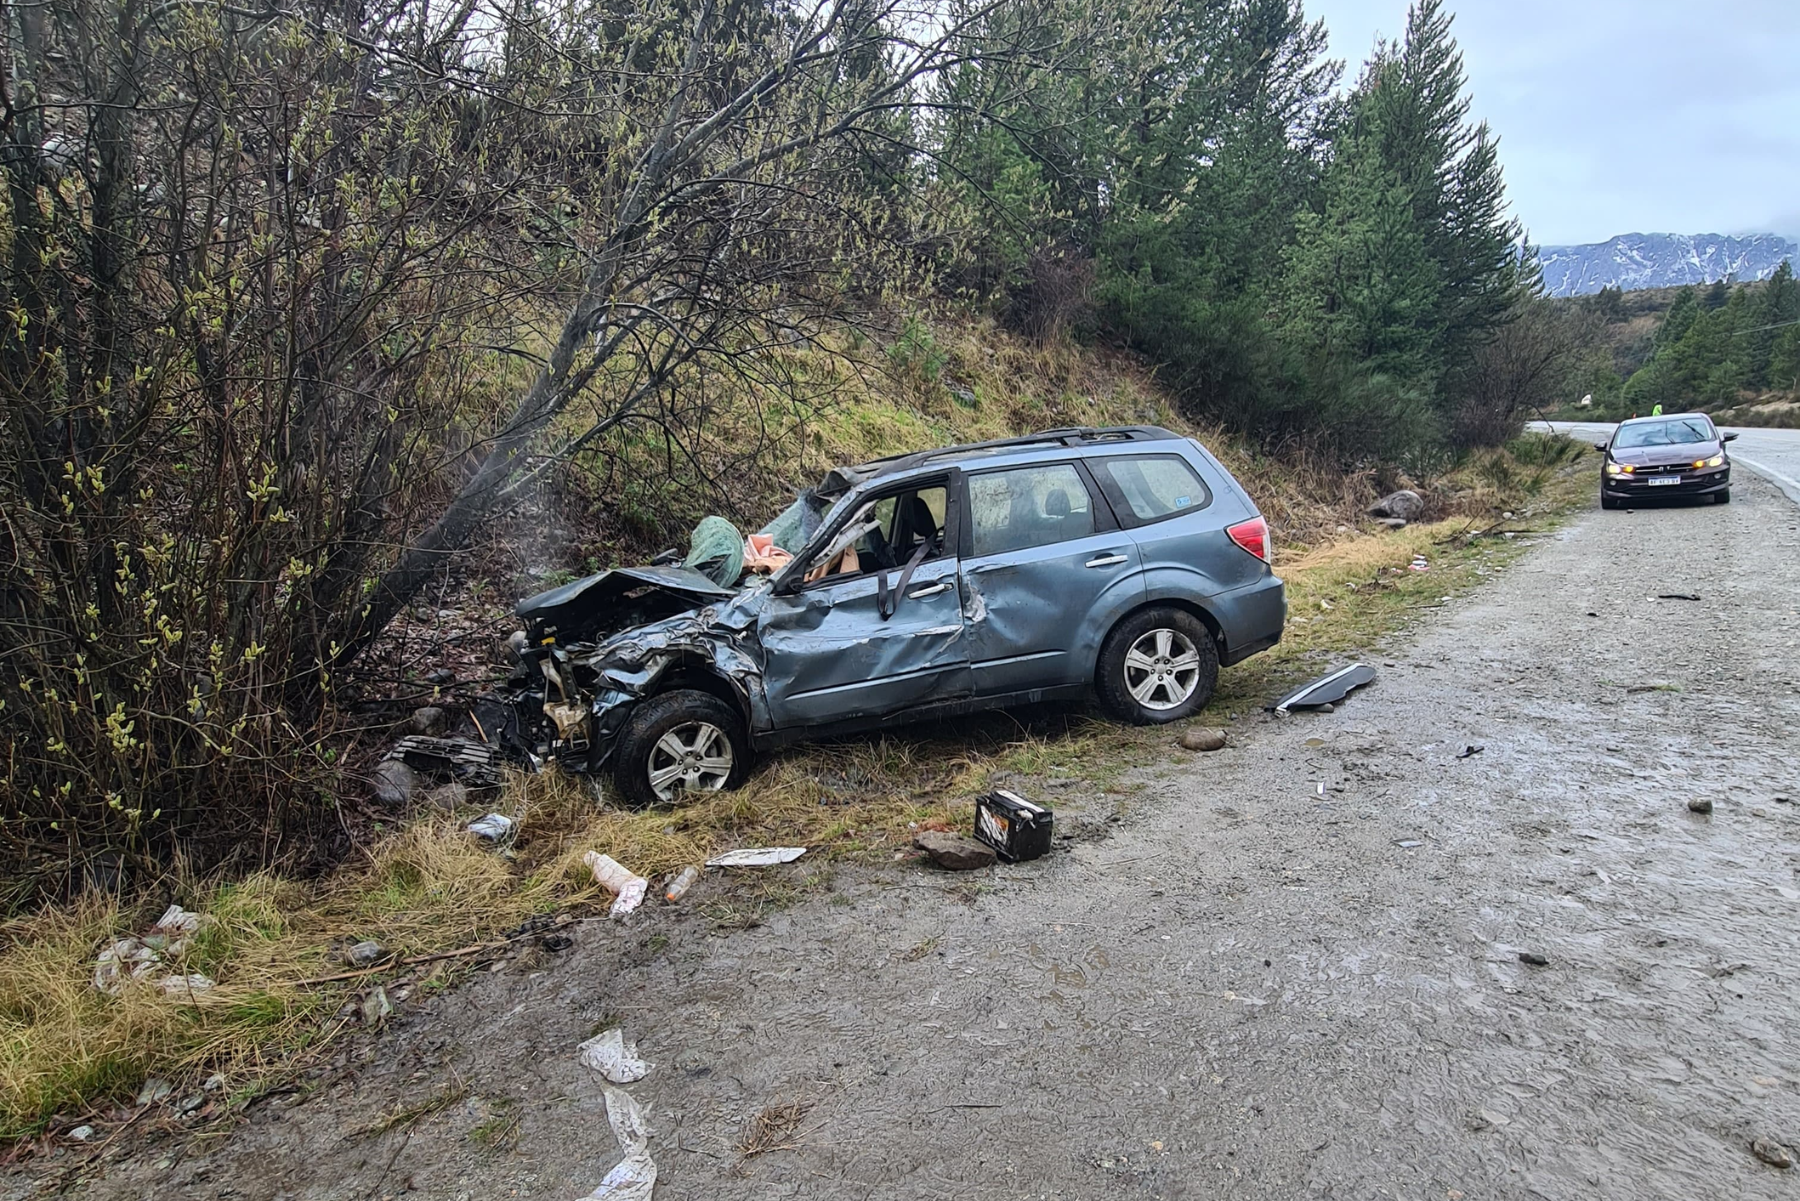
(1607, 502)
(1722, 496)
(1115, 687)
(641, 750)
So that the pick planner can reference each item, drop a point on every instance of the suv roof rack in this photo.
(1065, 436)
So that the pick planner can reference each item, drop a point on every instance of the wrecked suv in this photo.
(1120, 563)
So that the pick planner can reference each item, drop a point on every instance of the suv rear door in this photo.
(830, 655)
(1178, 521)
(1045, 573)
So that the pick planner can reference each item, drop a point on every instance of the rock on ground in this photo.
(393, 782)
(1405, 504)
(955, 852)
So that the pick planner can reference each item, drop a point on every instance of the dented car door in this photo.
(831, 655)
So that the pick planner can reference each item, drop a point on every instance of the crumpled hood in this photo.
(1687, 453)
(616, 600)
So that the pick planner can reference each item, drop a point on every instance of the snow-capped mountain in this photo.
(1661, 261)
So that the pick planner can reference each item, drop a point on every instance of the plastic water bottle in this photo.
(680, 884)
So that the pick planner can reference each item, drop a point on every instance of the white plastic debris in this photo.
(1420, 563)
(634, 1179)
(132, 959)
(82, 1134)
(627, 887)
(756, 857)
(491, 828)
(190, 985)
(610, 1055)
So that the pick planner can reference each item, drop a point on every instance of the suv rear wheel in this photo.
(681, 741)
(1157, 666)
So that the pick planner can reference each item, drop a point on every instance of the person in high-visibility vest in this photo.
(1656, 411)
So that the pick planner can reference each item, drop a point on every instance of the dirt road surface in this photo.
(1292, 970)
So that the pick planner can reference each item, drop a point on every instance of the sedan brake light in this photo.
(1253, 536)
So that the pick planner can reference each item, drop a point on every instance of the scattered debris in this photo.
(1016, 828)
(1700, 804)
(634, 1177)
(1771, 1153)
(82, 1134)
(628, 888)
(1327, 689)
(954, 852)
(365, 954)
(609, 1054)
(1533, 959)
(1405, 844)
(1204, 740)
(556, 943)
(1419, 563)
(144, 958)
(1392, 523)
(680, 884)
(442, 677)
(1405, 505)
(154, 1090)
(774, 1129)
(1470, 751)
(756, 857)
(1687, 596)
(491, 828)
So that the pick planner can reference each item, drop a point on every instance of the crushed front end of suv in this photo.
(1124, 564)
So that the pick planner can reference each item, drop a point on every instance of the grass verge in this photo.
(70, 1054)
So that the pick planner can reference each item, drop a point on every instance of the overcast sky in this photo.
(1622, 116)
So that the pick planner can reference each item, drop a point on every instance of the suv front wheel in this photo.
(1157, 666)
(681, 741)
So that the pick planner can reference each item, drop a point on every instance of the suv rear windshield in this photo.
(1664, 433)
(1151, 487)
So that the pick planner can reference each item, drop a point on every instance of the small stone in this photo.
(1533, 958)
(1773, 1154)
(214, 1082)
(82, 1134)
(442, 677)
(376, 1008)
(1700, 804)
(449, 797)
(1393, 523)
(1203, 740)
(189, 1104)
(393, 782)
(1327, 707)
(953, 852)
(555, 943)
(154, 1090)
(365, 954)
(427, 719)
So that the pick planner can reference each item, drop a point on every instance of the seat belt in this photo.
(883, 604)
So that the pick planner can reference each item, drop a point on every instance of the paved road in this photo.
(1290, 970)
(1772, 454)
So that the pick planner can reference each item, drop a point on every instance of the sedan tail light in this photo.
(1253, 536)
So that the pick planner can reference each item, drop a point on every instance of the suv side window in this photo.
(1147, 488)
(1028, 506)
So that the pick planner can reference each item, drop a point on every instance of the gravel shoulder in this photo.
(1291, 969)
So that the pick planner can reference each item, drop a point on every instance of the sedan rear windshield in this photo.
(1664, 433)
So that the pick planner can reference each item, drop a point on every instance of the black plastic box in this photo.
(1012, 825)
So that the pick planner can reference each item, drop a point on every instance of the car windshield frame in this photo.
(1637, 435)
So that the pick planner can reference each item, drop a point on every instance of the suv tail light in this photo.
(1253, 536)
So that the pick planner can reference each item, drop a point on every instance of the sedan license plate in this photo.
(1663, 481)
